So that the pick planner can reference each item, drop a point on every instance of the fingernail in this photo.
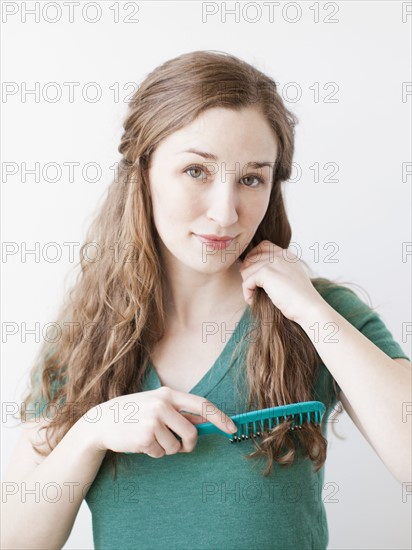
(231, 426)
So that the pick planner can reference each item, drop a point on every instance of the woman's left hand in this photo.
(283, 277)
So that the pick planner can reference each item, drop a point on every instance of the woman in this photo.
(193, 310)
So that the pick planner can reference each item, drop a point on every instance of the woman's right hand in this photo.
(142, 422)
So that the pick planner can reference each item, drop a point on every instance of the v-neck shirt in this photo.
(219, 368)
(214, 497)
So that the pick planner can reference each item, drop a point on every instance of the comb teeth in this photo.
(253, 424)
(250, 430)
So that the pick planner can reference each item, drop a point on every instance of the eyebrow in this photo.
(211, 156)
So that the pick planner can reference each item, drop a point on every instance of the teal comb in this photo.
(254, 423)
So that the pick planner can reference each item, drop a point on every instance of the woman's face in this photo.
(223, 195)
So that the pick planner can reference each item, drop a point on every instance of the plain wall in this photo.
(360, 224)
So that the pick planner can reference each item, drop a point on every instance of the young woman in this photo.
(194, 310)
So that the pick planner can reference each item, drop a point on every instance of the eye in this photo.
(194, 167)
(197, 167)
(260, 180)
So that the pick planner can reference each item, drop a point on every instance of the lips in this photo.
(219, 243)
(216, 237)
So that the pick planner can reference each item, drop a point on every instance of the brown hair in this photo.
(121, 299)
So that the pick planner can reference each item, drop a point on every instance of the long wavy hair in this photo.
(119, 294)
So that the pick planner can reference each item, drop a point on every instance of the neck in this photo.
(192, 297)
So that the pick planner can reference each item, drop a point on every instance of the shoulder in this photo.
(331, 290)
(360, 314)
(344, 300)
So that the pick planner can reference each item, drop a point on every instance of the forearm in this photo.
(373, 383)
(33, 519)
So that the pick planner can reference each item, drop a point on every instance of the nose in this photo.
(222, 202)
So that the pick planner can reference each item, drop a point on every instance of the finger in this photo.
(255, 260)
(177, 428)
(249, 286)
(262, 247)
(169, 441)
(199, 405)
(194, 419)
(156, 450)
(252, 269)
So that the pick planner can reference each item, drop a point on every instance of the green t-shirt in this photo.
(213, 497)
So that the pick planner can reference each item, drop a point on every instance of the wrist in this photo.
(87, 433)
(314, 313)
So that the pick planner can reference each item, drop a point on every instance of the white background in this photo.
(367, 133)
